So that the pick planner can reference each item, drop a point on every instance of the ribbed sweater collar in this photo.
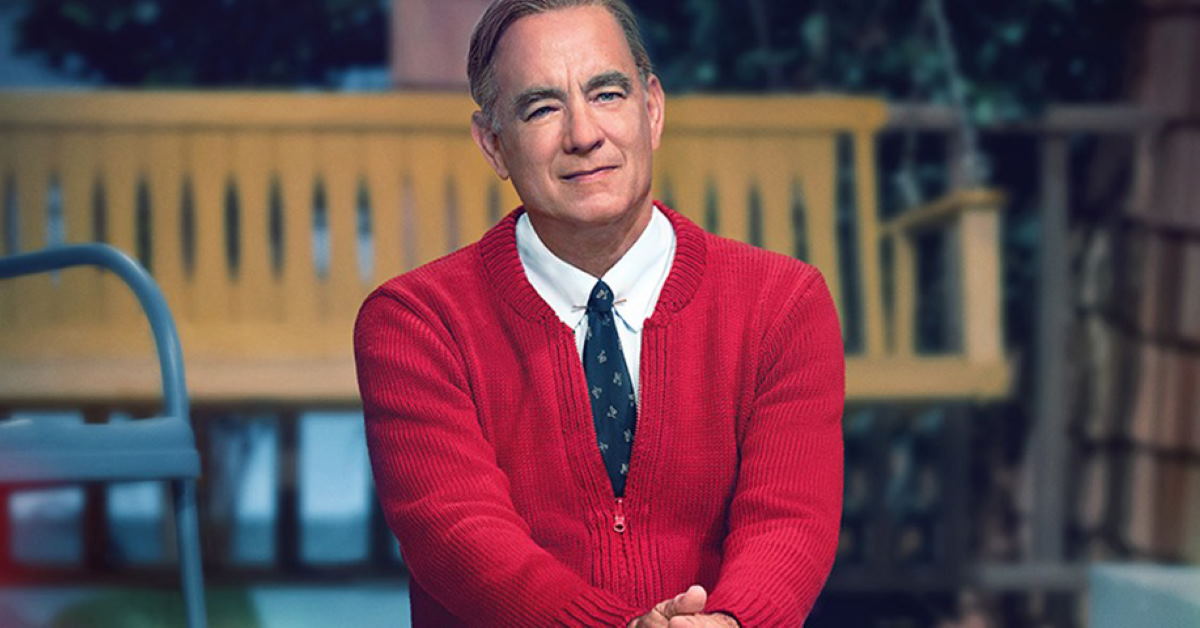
(502, 263)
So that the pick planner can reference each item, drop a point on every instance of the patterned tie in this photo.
(614, 410)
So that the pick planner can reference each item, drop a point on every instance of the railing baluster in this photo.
(731, 166)
(685, 162)
(121, 161)
(33, 169)
(77, 171)
(8, 223)
(164, 166)
(338, 154)
(210, 172)
(384, 172)
(298, 179)
(904, 287)
(254, 292)
(818, 181)
(472, 176)
(773, 165)
(427, 155)
(868, 241)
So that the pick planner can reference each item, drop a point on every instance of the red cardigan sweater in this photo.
(485, 458)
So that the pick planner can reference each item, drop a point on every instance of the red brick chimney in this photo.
(429, 42)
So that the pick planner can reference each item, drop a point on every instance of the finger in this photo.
(686, 603)
(661, 609)
(696, 621)
(653, 619)
(691, 621)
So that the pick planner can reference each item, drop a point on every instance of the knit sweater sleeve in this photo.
(785, 512)
(442, 491)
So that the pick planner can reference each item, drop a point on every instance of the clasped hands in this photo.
(683, 611)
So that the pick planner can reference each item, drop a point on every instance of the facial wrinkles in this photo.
(564, 62)
(575, 148)
(561, 53)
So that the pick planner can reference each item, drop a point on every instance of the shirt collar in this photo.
(636, 279)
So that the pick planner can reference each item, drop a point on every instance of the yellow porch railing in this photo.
(266, 218)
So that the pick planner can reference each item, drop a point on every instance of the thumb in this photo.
(687, 603)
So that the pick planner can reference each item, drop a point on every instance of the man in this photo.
(599, 414)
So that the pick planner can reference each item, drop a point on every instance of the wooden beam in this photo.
(1025, 576)
(332, 383)
(925, 378)
(1092, 119)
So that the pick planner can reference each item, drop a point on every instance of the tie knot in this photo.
(601, 299)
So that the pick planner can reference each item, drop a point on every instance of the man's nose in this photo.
(583, 134)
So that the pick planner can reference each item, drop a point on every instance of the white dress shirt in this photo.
(636, 279)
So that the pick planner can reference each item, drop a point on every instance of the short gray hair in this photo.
(501, 14)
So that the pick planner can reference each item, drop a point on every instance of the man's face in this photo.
(577, 126)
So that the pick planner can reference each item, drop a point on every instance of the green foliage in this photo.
(207, 42)
(140, 608)
(1014, 56)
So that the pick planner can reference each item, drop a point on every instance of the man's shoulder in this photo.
(441, 281)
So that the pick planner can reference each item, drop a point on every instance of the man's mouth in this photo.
(586, 175)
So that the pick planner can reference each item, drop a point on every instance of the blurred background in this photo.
(1003, 196)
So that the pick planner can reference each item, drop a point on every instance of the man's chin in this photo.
(604, 208)
(605, 214)
(591, 210)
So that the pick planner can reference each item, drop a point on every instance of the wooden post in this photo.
(96, 541)
(905, 286)
(1047, 451)
(977, 241)
(379, 546)
(956, 467)
(1163, 501)
(6, 542)
(287, 512)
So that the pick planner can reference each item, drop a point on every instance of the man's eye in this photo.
(539, 112)
(609, 96)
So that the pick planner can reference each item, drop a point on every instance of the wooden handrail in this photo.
(266, 217)
(948, 207)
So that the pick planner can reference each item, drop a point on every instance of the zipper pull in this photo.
(619, 517)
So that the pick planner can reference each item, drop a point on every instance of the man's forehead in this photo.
(543, 48)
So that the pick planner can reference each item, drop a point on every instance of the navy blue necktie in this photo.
(610, 389)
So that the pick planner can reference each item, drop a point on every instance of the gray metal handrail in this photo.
(166, 337)
(174, 386)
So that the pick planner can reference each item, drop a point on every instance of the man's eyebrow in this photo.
(534, 94)
(609, 79)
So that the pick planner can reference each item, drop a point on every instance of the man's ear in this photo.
(488, 142)
(655, 109)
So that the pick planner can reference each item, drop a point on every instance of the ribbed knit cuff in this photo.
(748, 607)
(598, 608)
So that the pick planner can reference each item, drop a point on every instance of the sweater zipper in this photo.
(619, 517)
